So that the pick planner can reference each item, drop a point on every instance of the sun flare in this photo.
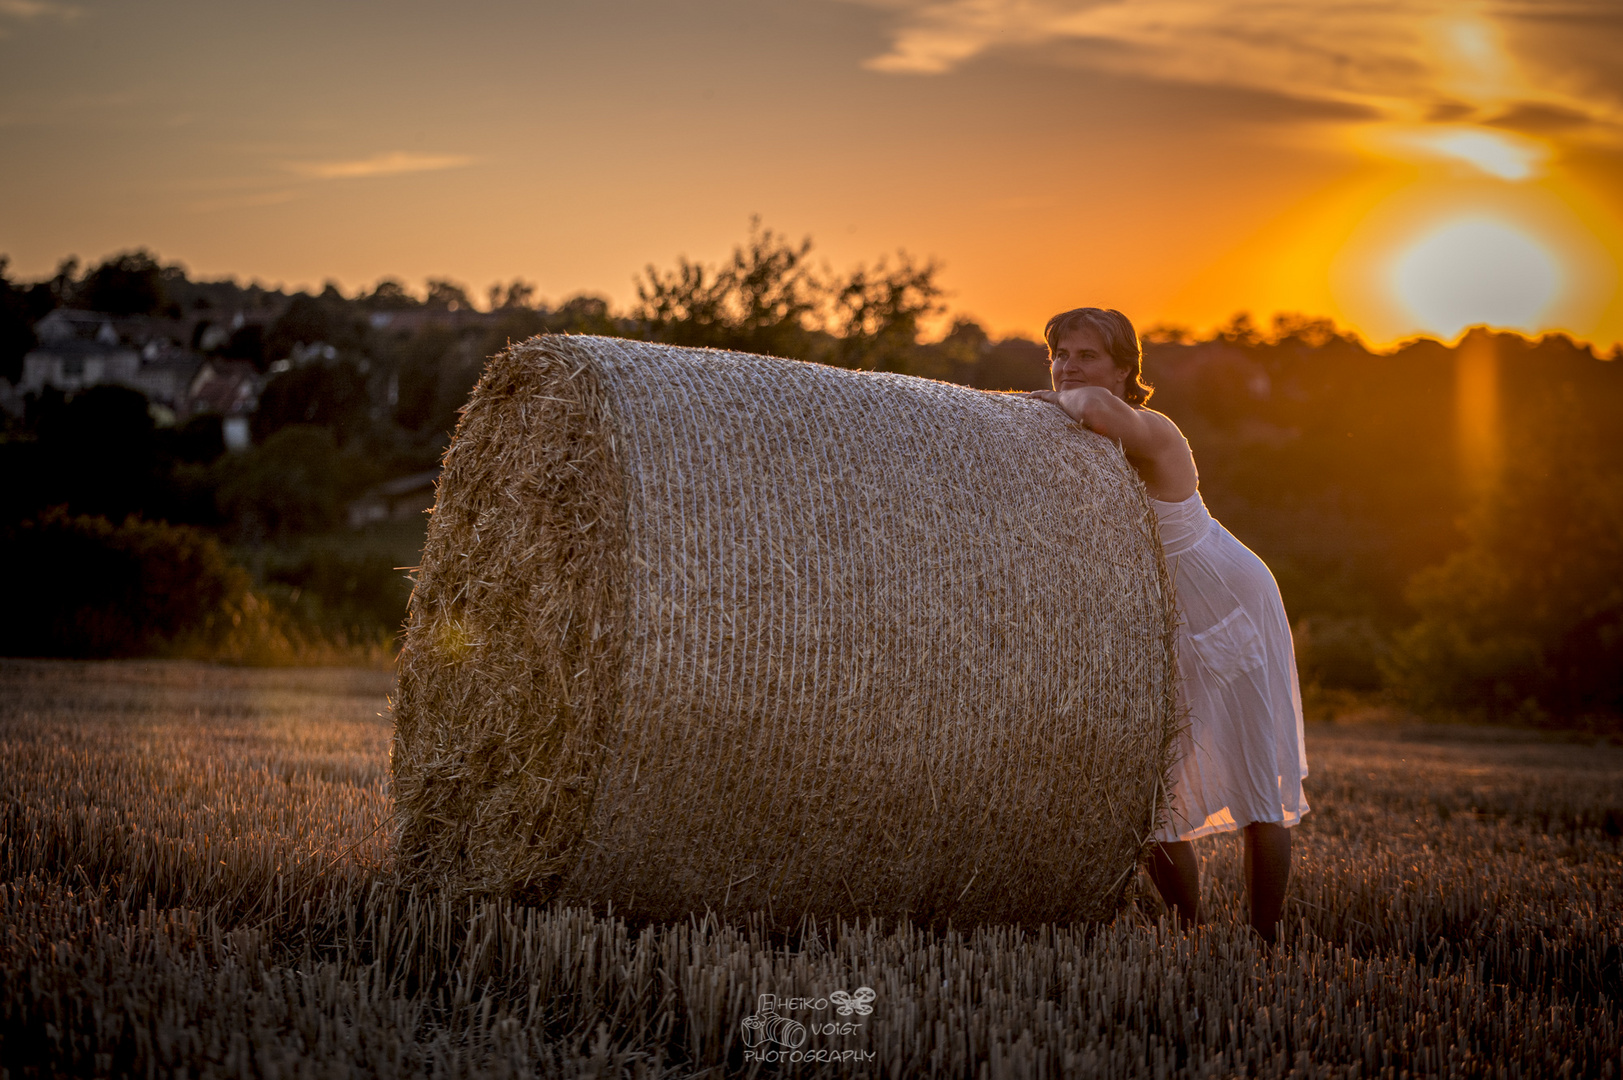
(1475, 270)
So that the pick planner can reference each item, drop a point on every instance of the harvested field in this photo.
(193, 880)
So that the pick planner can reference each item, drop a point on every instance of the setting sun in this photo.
(1475, 271)
(1182, 162)
(1443, 252)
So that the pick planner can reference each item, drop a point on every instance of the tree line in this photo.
(1340, 465)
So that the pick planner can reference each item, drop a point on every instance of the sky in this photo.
(1403, 167)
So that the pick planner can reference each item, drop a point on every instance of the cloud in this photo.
(1488, 151)
(1540, 119)
(1403, 59)
(394, 163)
(28, 11)
(1315, 48)
(244, 202)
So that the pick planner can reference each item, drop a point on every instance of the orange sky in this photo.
(1408, 167)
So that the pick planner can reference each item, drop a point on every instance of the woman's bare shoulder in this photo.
(1160, 422)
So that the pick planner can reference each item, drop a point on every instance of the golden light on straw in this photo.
(731, 656)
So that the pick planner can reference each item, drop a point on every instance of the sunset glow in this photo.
(1478, 423)
(1181, 161)
(1441, 253)
(1475, 271)
(1491, 152)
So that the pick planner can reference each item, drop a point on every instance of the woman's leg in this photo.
(1267, 872)
(1176, 874)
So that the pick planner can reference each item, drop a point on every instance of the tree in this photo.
(96, 454)
(877, 312)
(131, 283)
(16, 328)
(759, 302)
(1241, 330)
(1015, 363)
(63, 284)
(955, 358)
(1166, 333)
(444, 295)
(1527, 619)
(437, 371)
(247, 342)
(1293, 326)
(308, 320)
(518, 294)
(767, 300)
(583, 314)
(297, 481)
(331, 394)
(389, 295)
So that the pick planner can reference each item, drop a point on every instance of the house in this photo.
(224, 387)
(81, 349)
(400, 499)
(69, 324)
(230, 390)
(165, 373)
(209, 329)
(77, 349)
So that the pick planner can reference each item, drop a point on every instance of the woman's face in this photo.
(1079, 358)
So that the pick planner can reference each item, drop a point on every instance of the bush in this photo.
(347, 586)
(1339, 653)
(297, 481)
(97, 453)
(82, 586)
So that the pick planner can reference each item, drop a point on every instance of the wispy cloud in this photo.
(1403, 59)
(29, 11)
(394, 163)
(243, 202)
(260, 189)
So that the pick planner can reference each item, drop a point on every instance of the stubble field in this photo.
(195, 881)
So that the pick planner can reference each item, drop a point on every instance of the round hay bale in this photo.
(698, 629)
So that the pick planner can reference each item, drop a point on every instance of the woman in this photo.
(1241, 761)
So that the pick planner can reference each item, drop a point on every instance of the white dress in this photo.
(1242, 758)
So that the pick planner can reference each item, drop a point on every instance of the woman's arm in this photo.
(1152, 442)
(1110, 416)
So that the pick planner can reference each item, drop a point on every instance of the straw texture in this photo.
(700, 629)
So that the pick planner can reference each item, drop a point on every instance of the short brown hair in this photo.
(1120, 341)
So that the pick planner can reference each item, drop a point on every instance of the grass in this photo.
(194, 880)
(328, 599)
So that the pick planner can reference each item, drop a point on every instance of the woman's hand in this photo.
(1074, 401)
